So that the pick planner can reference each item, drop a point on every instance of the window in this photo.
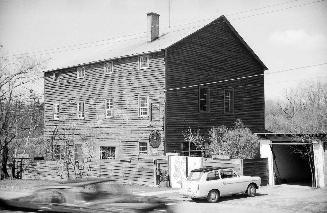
(80, 72)
(214, 175)
(80, 110)
(204, 99)
(229, 100)
(143, 147)
(56, 109)
(107, 152)
(109, 108)
(226, 174)
(56, 76)
(108, 67)
(57, 153)
(143, 62)
(143, 106)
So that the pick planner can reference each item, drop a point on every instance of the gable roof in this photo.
(136, 45)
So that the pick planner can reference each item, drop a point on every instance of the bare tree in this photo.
(304, 111)
(15, 115)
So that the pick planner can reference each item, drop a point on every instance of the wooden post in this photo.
(318, 152)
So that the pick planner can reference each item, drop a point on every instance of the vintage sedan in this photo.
(89, 196)
(211, 183)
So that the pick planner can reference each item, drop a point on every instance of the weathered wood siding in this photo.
(124, 86)
(213, 53)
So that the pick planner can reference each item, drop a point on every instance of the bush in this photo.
(237, 142)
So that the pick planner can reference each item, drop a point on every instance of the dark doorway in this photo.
(290, 164)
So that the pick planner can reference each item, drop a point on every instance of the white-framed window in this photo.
(204, 99)
(229, 100)
(56, 110)
(56, 76)
(109, 108)
(80, 110)
(107, 152)
(143, 147)
(144, 61)
(108, 67)
(80, 72)
(143, 106)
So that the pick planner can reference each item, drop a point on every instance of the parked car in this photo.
(85, 197)
(211, 183)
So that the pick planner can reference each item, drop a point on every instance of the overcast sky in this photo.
(284, 34)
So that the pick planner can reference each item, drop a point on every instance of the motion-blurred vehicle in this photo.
(91, 196)
(211, 183)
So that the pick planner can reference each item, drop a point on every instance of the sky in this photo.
(285, 34)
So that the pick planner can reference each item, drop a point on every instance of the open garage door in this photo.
(291, 163)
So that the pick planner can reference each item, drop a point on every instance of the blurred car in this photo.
(213, 182)
(89, 196)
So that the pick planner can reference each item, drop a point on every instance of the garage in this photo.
(292, 161)
(291, 165)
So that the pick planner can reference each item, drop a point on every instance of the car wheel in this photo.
(213, 196)
(251, 191)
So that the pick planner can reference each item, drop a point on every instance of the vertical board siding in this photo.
(124, 86)
(213, 53)
(257, 167)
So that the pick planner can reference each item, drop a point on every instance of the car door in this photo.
(228, 181)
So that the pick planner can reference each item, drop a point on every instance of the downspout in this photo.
(165, 102)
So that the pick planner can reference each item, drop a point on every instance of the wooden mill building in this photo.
(136, 96)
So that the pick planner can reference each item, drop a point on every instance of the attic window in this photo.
(108, 68)
(80, 72)
(144, 61)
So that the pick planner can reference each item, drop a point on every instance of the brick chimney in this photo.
(153, 26)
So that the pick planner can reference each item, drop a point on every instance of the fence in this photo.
(149, 171)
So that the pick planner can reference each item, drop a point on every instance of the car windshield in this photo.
(195, 176)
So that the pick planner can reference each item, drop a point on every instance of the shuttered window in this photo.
(80, 110)
(204, 104)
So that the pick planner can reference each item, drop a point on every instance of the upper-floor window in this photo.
(108, 67)
(204, 103)
(56, 109)
(107, 152)
(56, 76)
(143, 147)
(80, 72)
(144, 61)
(229, 100)
(143, 106)
(80, 110)
(109, 108)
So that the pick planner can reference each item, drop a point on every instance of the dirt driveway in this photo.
(281, 198)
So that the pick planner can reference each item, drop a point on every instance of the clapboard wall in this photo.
(124, 86)
(212, 54)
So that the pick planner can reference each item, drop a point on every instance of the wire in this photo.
(95, 43)
(244, 77)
